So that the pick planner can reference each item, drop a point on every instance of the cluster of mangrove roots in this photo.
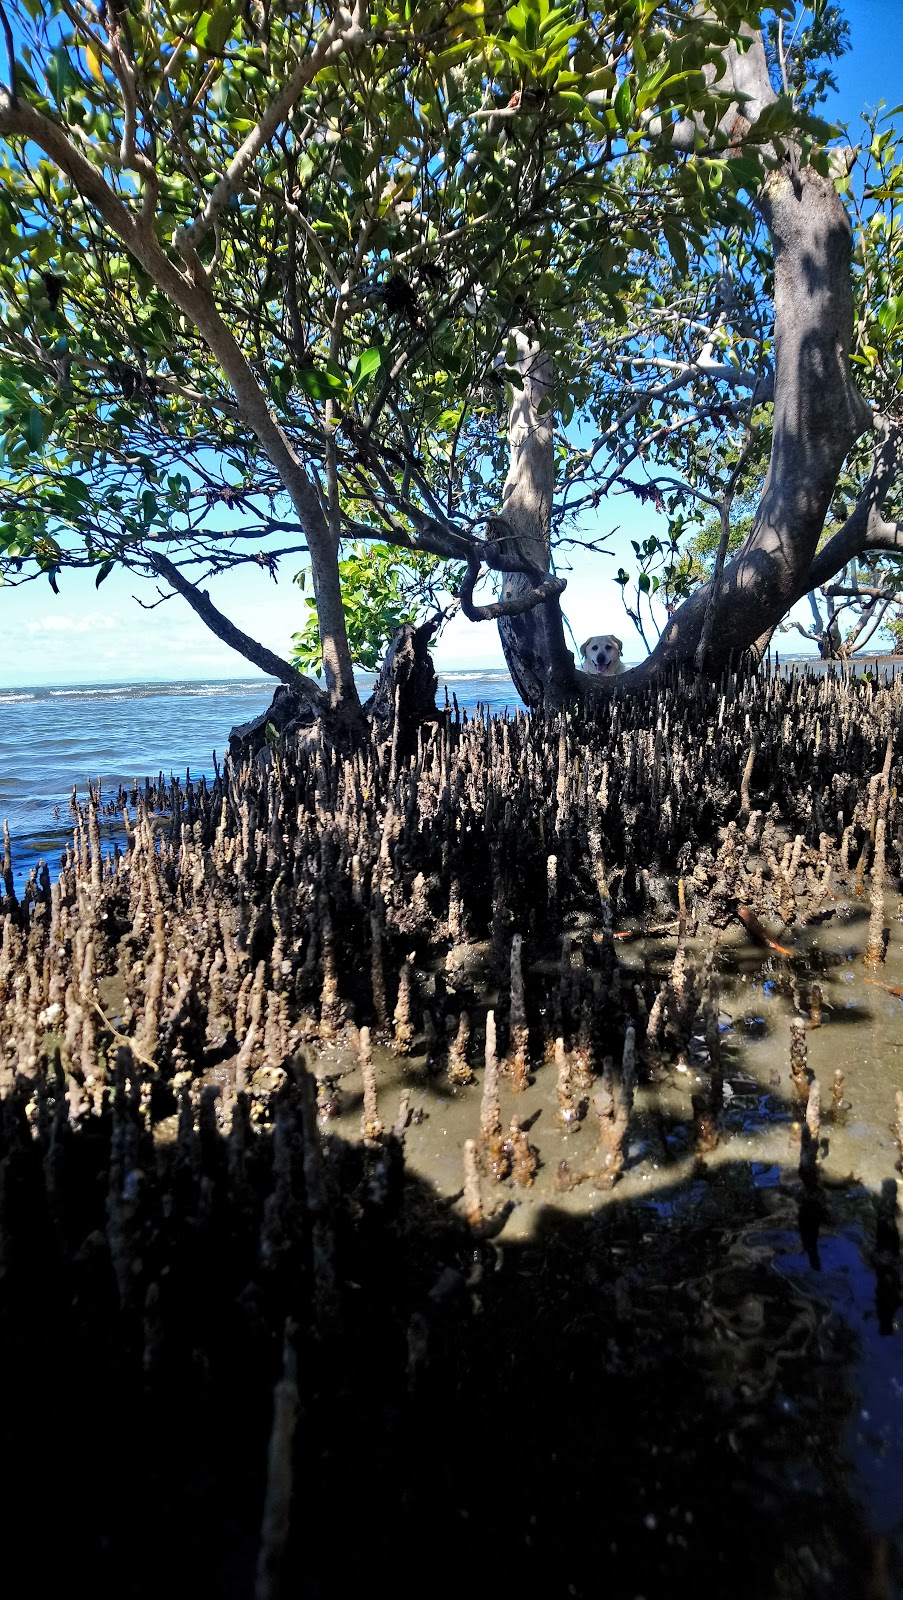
(232, 1323)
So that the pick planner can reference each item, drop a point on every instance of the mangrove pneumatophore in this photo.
(183, 1233)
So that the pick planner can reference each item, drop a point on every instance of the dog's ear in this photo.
(617, 642)
(583, 647)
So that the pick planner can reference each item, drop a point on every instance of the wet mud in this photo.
(472, 1170)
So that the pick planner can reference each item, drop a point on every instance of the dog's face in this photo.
(602, 654)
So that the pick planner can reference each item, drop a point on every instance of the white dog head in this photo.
(602, 655)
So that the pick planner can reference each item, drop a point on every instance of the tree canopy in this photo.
(273, 278)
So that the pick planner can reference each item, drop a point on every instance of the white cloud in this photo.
(94, 622)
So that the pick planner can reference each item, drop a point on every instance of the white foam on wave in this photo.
(150, 691)
(492, 675)
(89, 694)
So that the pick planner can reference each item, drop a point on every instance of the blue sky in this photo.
(86, 635)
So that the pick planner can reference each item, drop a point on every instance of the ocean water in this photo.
(52, 739)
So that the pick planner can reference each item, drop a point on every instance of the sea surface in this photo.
(52, 740)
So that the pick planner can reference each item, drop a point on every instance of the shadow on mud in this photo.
(690, 1392)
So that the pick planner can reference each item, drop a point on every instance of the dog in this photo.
(601, 655)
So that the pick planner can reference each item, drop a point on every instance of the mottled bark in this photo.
(818, 415)
(533, 641)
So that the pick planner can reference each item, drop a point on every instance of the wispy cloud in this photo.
(93, 622)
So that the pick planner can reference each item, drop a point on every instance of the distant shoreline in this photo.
(255, 685)
(121, 687)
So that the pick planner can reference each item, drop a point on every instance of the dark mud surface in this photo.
(275, 1317)
(698, 1374)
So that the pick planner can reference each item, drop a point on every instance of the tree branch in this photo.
(193, 298)
(514, 607)
(760, 385)
(853, 642)
(345, 32)
(18, 118)
(762, 390)
(233, 637)
(866, 591)
(865, 529)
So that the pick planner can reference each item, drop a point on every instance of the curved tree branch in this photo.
(865, 591)
(865, 528)
(818, 415)
(514, 607)
(195, 300)
(532, 638)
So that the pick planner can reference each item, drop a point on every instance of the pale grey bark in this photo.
(747, 75)
(818, 415)
(533, 640)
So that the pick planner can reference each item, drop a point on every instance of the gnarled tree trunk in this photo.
(402, 702)
(818, 415)
(404, 695)
(533, 641)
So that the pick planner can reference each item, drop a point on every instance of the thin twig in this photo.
(123, 1038)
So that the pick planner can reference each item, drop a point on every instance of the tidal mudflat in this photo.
(474, 1162)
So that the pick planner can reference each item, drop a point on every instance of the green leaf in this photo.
(517, 52)
(352, 158)
(214, 28)
(624, 105)
(318, 384)
(34, 430)
(59, 73)
(448, 58)
(75, 489)
(368, 362)
(104, 573)
(677, 246)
